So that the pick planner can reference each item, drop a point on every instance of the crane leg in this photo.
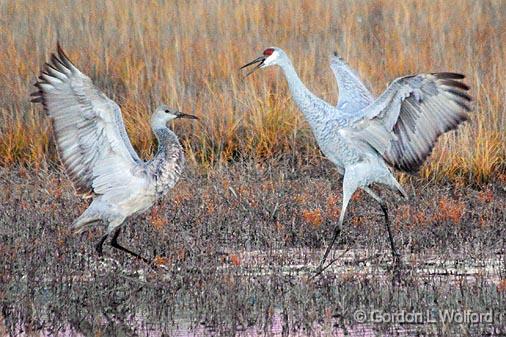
(349, 187)
(395, 253)
(100, 244)
(115, 244)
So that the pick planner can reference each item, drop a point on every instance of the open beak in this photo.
(260, 60)
(183, 115)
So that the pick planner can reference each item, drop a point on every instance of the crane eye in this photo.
(167, 111)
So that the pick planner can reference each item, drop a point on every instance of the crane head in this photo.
(269, 57)
(163, 114)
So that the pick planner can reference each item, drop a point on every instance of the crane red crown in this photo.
(268, 51)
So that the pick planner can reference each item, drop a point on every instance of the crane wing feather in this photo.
(90, 135)
(404, 122)
(353, 94)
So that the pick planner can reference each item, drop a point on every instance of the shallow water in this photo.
(241, 263)
(110, 300)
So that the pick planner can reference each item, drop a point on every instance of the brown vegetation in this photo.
(187, 54)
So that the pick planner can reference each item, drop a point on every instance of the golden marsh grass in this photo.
(187, 54)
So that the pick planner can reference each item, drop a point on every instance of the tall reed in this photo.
(187, 54)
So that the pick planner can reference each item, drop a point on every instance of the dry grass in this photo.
(187, 54)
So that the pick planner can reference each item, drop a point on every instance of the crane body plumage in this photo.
(364, 137)
(328, 124)
(96, 152)
(153, 180)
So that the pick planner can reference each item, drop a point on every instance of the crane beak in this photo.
(260, 60)
(183, 115)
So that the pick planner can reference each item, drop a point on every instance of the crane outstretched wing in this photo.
(353, 95)
(403, 124)
(90, 135)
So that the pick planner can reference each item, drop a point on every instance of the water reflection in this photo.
(107, 299)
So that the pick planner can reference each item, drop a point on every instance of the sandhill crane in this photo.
(363, 136)
(97, 155)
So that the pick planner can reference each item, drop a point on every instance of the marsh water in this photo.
(238, 258)
(357, 296)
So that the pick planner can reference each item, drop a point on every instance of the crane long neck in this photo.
(168, 162)
(316, 110)
(161, 134)
(167, 140)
